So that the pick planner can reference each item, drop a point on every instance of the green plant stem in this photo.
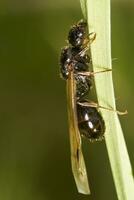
(98, 18)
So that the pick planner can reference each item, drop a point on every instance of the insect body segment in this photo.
(83, 86)
(71, 60)
(77, 34)
(91, 123)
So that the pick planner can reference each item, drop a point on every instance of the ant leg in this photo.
(89, 39)
(83, 51)
(87, 42)
(92, 37)
(93, 73)
(95, 105)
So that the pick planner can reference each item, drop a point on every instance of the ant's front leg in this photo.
(92, 37)
(89, 39)
(87, 42)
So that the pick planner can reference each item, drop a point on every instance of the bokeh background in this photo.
(34, 142)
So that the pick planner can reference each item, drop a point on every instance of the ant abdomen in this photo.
(90, 122)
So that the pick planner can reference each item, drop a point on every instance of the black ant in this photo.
(74, 58)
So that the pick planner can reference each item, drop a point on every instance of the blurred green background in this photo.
(34, 142)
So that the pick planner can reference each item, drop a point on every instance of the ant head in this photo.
(77, 33)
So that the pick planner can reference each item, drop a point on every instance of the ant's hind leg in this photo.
(96, 105)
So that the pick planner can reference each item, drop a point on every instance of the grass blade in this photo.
(98, 17)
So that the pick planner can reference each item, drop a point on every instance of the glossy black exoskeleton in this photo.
(75, 59)
(71, 59)
(83, 86)
(77, 34)
(90, 122)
